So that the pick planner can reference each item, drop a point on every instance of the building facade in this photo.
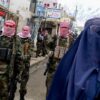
(21, 8)
(5, 13)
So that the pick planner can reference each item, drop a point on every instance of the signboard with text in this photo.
(5, 3)
(53, 13)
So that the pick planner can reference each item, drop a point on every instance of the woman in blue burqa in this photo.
(78, 74)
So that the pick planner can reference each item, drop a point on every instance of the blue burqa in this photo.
(78, 74)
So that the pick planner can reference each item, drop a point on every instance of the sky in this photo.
(85, 9)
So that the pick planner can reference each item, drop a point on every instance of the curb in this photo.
(35, 66)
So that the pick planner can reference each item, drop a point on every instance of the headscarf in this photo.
(78, 73)
(25, 32)
(64, 29)
(9, 28)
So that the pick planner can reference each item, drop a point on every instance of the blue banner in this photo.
(40, 10)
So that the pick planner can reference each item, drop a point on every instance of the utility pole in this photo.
(46, 5)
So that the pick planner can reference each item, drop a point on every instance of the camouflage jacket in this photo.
(27, 47)
(6, 48)
(60, 50)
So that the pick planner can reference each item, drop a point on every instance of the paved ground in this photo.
(35, 60)
(36, 84)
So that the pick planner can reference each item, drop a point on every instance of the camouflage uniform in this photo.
(55, 57)
(6, 69)
(41, 45)
(23, 73)
(51, 62)
(27, 53)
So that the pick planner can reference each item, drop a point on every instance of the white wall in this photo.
(23, 7)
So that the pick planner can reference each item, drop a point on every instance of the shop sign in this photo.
(53, 13)
(40, 11)
(5, 3)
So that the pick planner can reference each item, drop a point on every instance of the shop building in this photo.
(5, 13)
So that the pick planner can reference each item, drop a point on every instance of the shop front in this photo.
(4, 5)
(5, 14)
(2, 17)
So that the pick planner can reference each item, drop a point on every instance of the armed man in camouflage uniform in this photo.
(25, 38)
(10, 53)
(58, 51)
(23, 76)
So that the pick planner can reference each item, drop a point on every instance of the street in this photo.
(36, 85)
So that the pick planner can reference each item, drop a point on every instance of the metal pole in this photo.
(45, 17)
(58, 32)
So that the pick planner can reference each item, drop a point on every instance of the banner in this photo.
(53, 13)
(40, 11)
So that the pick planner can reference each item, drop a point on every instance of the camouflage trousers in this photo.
(3, 87)
(23, 81)
(49, 81)
(50, 74)
(39, 49)
(24, 78)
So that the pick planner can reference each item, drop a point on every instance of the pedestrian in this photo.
(10, 53)
(25, 38)
(78, 74)
(45, 42)
(40, 38)
(52, 63)
(23, 74)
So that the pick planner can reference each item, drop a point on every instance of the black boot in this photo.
(12, 91)
(22, 95)
(11, 97)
